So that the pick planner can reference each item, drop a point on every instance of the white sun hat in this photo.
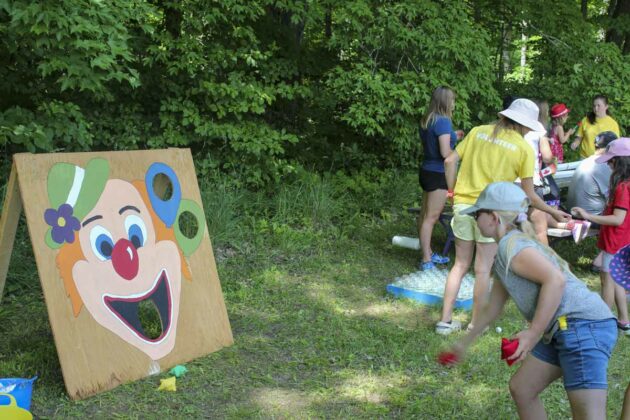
(524, 112)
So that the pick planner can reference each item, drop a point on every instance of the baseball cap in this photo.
(604, 138)
(619, 147)
(500, 196)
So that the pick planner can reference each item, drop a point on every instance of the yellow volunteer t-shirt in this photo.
(484, 161)
(589, 131)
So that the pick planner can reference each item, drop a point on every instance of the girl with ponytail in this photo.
(438, 141)
(597, 121)
(571, 331)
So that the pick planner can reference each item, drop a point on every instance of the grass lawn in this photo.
(315, 333)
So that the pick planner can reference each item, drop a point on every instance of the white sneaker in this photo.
(445, 328)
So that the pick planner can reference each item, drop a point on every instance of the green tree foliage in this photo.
(258, 87)
(212, 79)
(59, 60)
(568, 57)
(390, 57)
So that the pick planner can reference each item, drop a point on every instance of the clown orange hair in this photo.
(69, 254)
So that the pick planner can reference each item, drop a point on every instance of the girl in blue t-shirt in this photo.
(438, 141)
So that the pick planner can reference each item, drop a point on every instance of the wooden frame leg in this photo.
(8, 225)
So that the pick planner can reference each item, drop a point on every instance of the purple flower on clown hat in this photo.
(63, 223)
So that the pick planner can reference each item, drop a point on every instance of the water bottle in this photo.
(406, 242)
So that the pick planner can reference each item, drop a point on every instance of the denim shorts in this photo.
(582, 352)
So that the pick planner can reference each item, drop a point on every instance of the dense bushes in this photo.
(261, 88)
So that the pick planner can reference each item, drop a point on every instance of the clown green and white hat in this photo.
(73, 186)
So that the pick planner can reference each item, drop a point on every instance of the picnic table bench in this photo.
(556, 234)
(564, 173)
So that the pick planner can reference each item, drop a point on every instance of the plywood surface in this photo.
(97, 354)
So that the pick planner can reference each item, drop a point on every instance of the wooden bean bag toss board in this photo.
(124, 259)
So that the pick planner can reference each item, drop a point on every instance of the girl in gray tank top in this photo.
(571, 331)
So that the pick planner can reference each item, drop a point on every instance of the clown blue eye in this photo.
(136, 231)
(101, 243)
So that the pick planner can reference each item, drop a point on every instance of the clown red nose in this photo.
(125, 259)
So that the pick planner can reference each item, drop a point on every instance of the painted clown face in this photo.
(125, 266)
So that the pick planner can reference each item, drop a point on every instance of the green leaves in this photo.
(75, 44)
(391, 57)
(256, 88)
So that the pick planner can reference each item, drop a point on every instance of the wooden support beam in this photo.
(9, 219)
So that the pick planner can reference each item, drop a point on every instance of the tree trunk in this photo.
(612, 6)
(585, 9)
(172, 17)
(523, 56)
(328, 23)
(618, 9)
(504, 61)
(173, 21)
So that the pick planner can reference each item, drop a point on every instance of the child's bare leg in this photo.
(608, 290)
(553, 223)
(625, 412)
(588, 403)
(528, 382)
(463, 258)
(423, 210)
(484, 258)
(597, 262)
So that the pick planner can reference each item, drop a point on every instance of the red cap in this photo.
(559, 110)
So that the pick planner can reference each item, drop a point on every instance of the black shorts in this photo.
(431, 181)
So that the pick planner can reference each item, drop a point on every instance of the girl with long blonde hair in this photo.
(438, 140)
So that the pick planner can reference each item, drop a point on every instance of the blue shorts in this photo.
(582, 352)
